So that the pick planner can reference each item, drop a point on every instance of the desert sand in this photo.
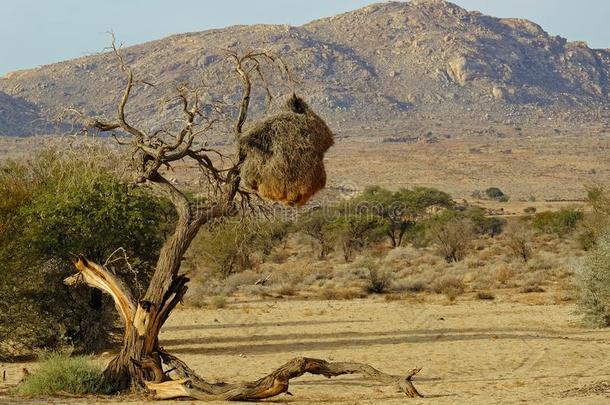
(472, 352)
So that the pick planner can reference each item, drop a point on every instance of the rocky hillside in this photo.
(384, 64)
(18, 116)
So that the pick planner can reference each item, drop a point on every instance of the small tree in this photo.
(597, 220)
(228, 246)
(519, 241)
(399, 211)
(140, 362)
(354, 232)
(317, 224)
(453, 237)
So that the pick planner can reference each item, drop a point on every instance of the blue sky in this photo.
(36, 32)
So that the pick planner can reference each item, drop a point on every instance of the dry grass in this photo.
(490, 273)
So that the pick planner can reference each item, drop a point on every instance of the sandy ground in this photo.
(472, 352)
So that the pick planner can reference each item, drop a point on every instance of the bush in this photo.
(218, 302)
(494, 193)
(451, 286)
(355, 231)
(453, 237)
(484, 225)
(587, 237)
(529, 210)
(50, 208)
(559, 223)
(519, 241)
(316, 224)
(594, 284)
(598, 220)
(60, 373)
(379, 281)
(485, 295)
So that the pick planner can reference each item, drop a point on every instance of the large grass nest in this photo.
(285, 154)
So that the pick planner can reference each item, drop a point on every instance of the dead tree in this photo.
(141, 363)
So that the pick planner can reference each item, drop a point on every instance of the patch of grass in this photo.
(413, 286)
(451, 286)
(287, 290)
(505, 274)
(531, 288)
(218, 302)
(59, 372)
(332, 293)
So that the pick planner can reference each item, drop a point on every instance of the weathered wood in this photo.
(98, 277)
(192, 386)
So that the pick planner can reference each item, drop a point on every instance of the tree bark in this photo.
(276, 383)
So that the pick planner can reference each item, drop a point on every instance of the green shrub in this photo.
(529, 210)
(225, 247)
(559, 222)
(50, 208)
(317, 224)
(60, 373)
(355, 232)
(483, 224)
(422, 233)
(595, 221)
(494, 193)
(594, 284)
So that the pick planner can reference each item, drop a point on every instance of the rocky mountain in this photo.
(381, 65)
(18, 116)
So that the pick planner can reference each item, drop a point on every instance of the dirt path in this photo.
(471, 352)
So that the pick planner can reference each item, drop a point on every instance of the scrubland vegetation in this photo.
(411, 242)
(401, 244)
